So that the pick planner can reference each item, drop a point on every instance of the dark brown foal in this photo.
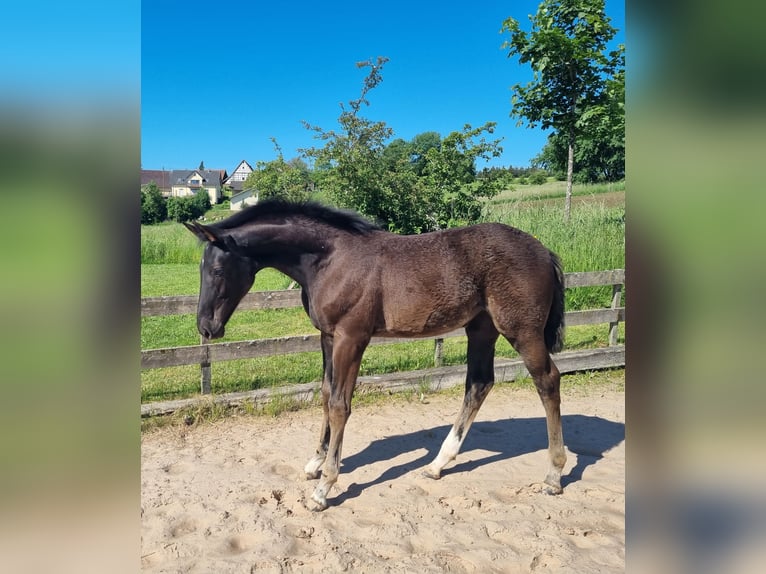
(359, 282)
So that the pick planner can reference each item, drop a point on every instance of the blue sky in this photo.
(60, 55)
(219, 79)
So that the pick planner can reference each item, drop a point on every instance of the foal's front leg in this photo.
(314, 465)
(346, 358)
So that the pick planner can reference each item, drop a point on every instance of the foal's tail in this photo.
(554, 328)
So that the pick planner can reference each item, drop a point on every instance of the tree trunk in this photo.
(570, 171)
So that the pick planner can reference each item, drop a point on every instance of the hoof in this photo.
(428, 473)
(320, 502)
(552, 488)
(313, 468)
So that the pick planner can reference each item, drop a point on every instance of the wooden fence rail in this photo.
(179, 305)
(204, 354)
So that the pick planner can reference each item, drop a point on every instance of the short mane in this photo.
(338, 218)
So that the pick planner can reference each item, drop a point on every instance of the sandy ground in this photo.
(231, 496)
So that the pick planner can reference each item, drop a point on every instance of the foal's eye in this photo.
(218, 272)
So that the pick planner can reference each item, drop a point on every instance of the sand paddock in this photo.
(230, 496)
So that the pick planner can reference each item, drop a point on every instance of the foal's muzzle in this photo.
(209, 331)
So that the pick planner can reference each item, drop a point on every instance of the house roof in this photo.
(209, 176)
(235, 183)
(165, 179)
(243, 194)
(160, 177)
(245, 163)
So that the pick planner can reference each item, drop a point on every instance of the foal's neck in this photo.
(295, 249)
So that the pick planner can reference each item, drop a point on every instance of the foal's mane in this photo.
(270, 208)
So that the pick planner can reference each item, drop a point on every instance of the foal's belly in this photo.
(417, 321)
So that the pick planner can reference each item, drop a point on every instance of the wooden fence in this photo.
(206, 353)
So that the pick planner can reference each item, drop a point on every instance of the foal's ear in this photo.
(221, 239)
(202, 232)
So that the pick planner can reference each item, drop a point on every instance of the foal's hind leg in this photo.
(547, 379)
(479, 379)
(314, 465)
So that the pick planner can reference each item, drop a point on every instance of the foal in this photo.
(359, 281)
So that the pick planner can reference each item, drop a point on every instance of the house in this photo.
(159, 177)
(238, 176)
(186, 182)
(244, 198)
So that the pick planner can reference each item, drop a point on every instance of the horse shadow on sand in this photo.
(587, 437)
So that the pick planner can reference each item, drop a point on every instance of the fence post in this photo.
(438, 352)
(205, 368)
(614, 327)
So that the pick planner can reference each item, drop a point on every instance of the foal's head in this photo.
(225, 277)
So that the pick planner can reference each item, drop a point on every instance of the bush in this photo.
(188, 207)
(179, 209)
(538, 178)
(201, 202)
(153, 205)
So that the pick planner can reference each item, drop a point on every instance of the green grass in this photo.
(168, 243)
(553, 190)
(159, 280)
(593, 240)
(178, 330)
(170, 258)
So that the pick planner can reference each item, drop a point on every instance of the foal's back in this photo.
(477, 256)
(432, 283)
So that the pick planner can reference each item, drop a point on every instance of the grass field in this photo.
(593, 240)
(554, 190)
(161, 280)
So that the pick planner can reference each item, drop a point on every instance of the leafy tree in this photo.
(450, 170)
(397, 155)
(153, 205)
(421, 185)
(566, 48)
(420, 145)
(279, 178)
(604, 128)
(505, 177)
(352, 170)
(600, 152)
(410, 155)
